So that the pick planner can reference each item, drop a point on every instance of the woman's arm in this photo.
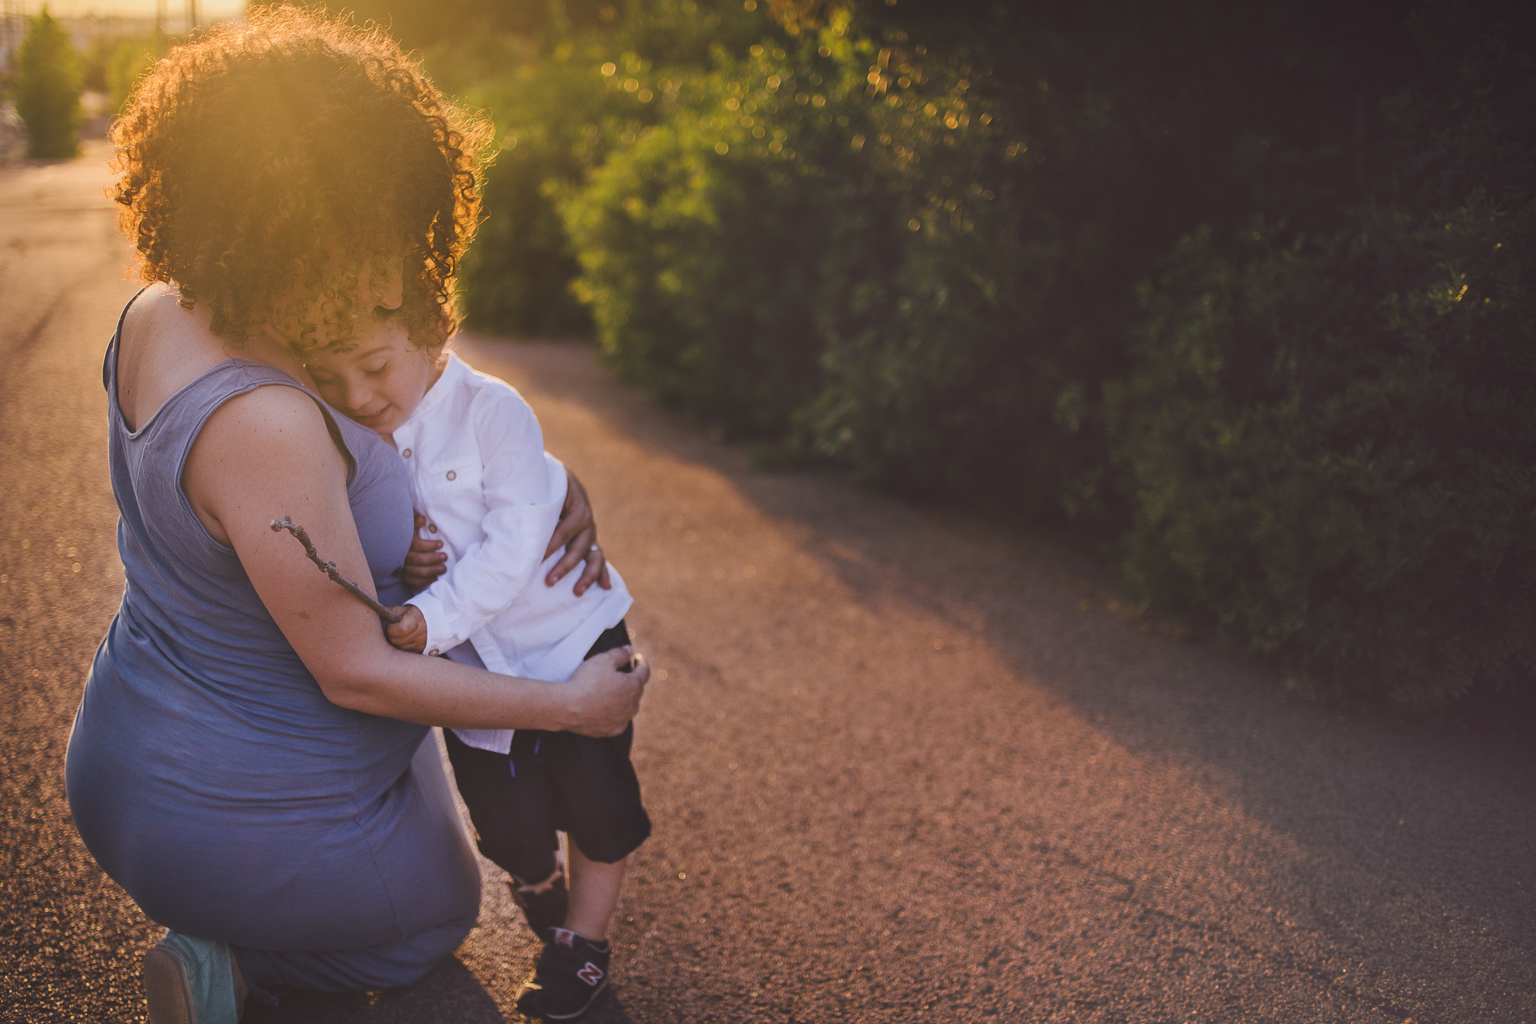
(267, 454)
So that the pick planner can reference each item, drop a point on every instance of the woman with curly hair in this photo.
(248, 758)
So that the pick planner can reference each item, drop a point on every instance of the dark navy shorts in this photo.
(553, 782)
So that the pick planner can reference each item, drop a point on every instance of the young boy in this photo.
(490, 493)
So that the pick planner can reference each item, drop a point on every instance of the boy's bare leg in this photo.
(594, 889)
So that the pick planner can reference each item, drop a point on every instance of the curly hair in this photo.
(277, 168)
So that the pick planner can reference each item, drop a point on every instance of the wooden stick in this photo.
(329, 568)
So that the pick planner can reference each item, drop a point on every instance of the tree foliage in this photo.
(125, 64)
(1242, 291)
(1329, 429)
(47, 86)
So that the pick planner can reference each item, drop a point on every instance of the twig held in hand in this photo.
(329, 568)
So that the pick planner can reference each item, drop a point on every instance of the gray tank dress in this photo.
(207, 772)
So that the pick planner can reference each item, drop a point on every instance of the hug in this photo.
(252, 758)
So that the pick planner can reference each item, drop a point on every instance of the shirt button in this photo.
(452, 475)
(431, 527)
(406, 453)
(433, 652)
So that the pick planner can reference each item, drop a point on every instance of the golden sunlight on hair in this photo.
(277, 168)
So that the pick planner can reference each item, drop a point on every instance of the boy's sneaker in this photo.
(570, 973)
(543, 910)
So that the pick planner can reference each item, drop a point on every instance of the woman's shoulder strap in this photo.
(109, 361)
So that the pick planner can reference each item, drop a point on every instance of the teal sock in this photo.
(209, 973)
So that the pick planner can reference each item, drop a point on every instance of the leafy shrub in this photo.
(1330, 434)
(1188, 275)
(961, 320)
(703, 242)
(47, 88)
(1045, 157)
(559, 116)
(125, 65)
(1317, 448)
(554, 122)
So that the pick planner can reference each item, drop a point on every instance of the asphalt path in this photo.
(901, 768)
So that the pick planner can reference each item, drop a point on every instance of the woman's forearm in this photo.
(599, 701)
(436, 691)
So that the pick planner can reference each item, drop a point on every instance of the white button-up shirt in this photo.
(492, 495)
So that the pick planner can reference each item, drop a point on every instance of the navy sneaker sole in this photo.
(534, 1011)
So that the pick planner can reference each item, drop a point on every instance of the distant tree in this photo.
(47, 86)
(126, 65)
(93, 62)
(422, 24)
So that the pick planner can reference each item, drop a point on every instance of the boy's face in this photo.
(380, 381)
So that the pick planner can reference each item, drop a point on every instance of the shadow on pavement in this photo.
(1382, 827)
(448, 992)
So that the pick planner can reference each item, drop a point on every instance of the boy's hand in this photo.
(425, 562)
(410, 633)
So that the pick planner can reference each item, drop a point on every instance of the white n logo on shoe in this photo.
(591, 973)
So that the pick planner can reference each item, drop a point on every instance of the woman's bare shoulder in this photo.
(254, 447)
(155, 312)
(161, 348)
(269, 415)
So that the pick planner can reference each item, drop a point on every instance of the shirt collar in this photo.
(437, 399)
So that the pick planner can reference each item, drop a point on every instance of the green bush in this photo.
(1331, 443)
(933, 289)
(1330, 433)
(47, 88)
(555, 120)
(963, 313)
(1189, 276)
(125, 65)
(704, 240)
(559, 117)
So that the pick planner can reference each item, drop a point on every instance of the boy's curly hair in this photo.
(275, 168)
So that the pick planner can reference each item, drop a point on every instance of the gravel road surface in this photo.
(901, 769)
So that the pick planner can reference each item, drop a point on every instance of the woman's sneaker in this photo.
(569, 975)
(543, 910)
(190, 981)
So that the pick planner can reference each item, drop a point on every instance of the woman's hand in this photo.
(605, 692)
(577, 533)
(426, 560)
